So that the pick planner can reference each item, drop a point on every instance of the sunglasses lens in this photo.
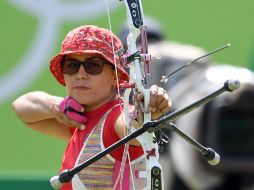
(70, 67)
(94, 66)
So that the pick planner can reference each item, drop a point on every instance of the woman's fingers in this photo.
(63, 118)
(75, 105)
(159, 102)
(70, 113)
(76, 116)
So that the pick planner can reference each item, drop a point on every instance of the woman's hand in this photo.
(40, 111)
(159, 101)
(70, 113)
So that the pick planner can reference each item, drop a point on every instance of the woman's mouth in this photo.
(81, 88)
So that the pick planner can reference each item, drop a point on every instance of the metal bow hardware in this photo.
(138, 63)
(139, 71)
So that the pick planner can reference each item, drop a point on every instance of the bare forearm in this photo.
(36, 106)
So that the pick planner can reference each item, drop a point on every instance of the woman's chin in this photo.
(81, 99)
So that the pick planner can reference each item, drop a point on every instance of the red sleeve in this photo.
(110, 137)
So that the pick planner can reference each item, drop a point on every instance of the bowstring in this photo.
(126, 146)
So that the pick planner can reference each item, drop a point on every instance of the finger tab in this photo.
(75, 105)
(62, 105)
(76, 117)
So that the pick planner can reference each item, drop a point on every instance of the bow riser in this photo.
(137, 75)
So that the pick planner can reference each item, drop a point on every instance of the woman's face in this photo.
(88, 89)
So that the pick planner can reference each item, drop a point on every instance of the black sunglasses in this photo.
(93, 66)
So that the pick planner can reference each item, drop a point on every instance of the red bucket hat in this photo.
(88, 40)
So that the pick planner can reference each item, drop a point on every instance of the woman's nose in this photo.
(82, 72)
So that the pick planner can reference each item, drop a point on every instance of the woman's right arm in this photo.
(40, 111)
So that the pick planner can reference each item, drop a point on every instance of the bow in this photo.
(138, 63)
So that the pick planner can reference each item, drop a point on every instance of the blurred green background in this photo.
(27, 155)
